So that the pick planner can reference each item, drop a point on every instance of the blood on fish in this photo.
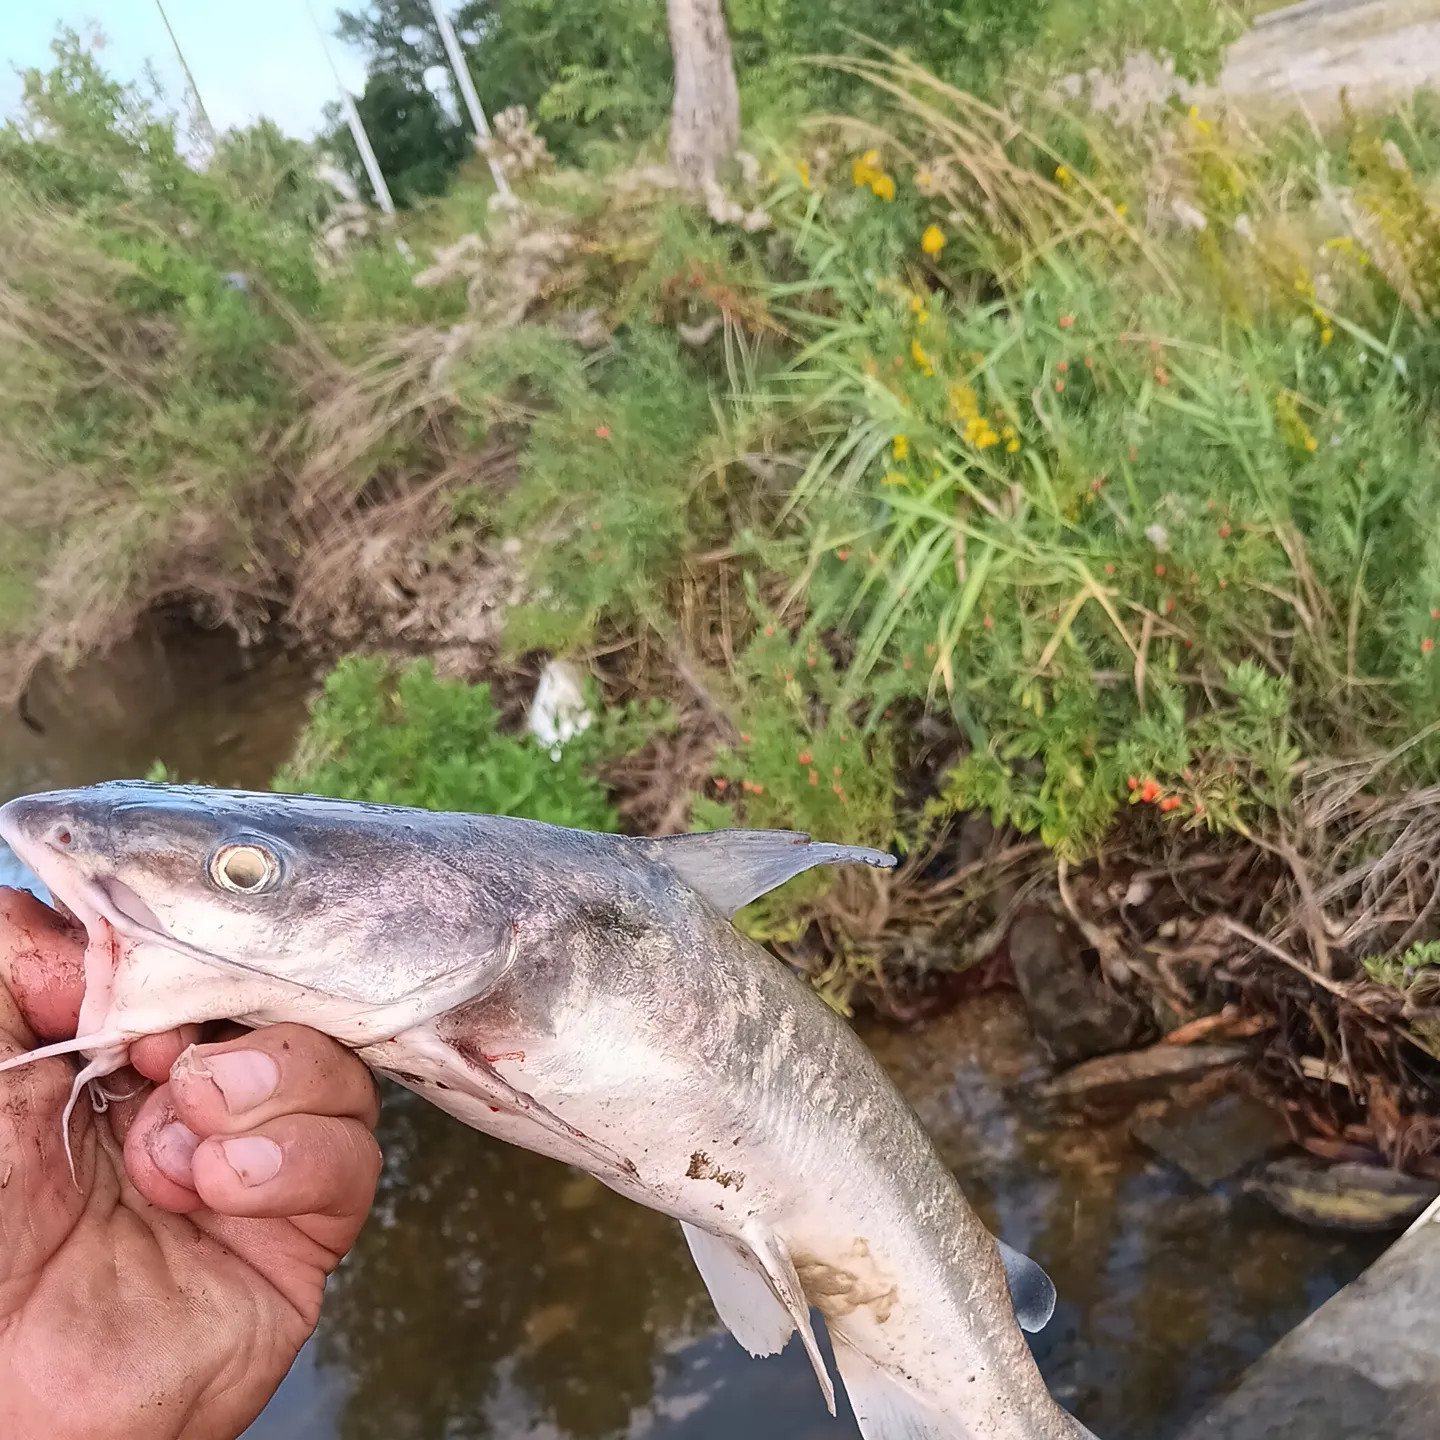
(509, 1055)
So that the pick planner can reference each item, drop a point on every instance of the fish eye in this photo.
(245, 868)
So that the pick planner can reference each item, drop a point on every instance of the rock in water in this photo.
(1345, 1196)
(1216, 1138)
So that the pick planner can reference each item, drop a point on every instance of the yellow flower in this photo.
(1063, 175)
(1326, 335)
(1203, 126)
(1311, 443)
(866, 168)
(1011, 446)
(803, 168)
(917, 304)
(883, 186)
(901, 446)
(1122, 210)
(893, 478)
(932, 242)
(918, 355)
(963, 401)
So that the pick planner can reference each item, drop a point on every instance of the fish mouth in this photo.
(105, 906)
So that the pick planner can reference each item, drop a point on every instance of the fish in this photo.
(586, 997)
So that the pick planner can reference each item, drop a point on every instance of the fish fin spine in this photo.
(730, 868)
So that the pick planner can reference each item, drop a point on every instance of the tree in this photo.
(417, 144)
(705, 116)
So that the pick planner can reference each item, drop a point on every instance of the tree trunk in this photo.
(705, 119)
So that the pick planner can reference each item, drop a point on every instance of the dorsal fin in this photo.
(730, 868)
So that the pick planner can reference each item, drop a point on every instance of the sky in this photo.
(254, 58)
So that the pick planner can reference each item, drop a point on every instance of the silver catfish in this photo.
(586, 997)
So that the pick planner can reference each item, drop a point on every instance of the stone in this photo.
(1347, 1196)
(1215, 1139)
(1074, 1015)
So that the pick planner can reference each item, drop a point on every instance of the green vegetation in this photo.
(146, 318)
(1002, 459)
(595, 73)
(394, 735)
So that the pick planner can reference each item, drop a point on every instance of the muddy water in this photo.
(495, 1295)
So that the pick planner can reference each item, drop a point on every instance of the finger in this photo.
(310, 1168)
(280, 1070)
(159, 1155)
(42, 964)
(153, 1055)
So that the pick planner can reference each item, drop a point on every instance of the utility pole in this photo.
(467, 89)
(358, 132)
(206, 126)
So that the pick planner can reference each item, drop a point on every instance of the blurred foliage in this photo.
(144, 308)
(398, 735)
(602, 71)
(417, 145)
(1107, 454)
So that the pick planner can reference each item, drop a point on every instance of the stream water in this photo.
(495, 1295)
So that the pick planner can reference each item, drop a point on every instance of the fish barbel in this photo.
(586, 997)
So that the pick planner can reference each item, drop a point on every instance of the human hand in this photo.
(167, 1295)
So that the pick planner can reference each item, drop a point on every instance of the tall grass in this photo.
(1133, 451)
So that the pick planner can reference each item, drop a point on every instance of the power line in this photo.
(189, 77)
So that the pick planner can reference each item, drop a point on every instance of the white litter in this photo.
(558, 712)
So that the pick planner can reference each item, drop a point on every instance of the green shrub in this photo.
(1143, 549)
(800, 761)
(398, 735)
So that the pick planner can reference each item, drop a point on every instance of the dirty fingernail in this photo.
(246, 1078)
(172, 1148)
(253, 1158)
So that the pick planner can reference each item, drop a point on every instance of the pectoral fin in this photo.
(1032, 1292)
(730, 868)
(741, 1293)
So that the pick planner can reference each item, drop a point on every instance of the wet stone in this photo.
(1074, 1015)
(1347, 1196)
(1215, 1139)
(1365, 1366)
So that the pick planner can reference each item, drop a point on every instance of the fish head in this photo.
(338, 901)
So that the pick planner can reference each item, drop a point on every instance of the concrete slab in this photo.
(1365, 1366)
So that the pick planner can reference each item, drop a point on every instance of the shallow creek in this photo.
(496, 1294)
